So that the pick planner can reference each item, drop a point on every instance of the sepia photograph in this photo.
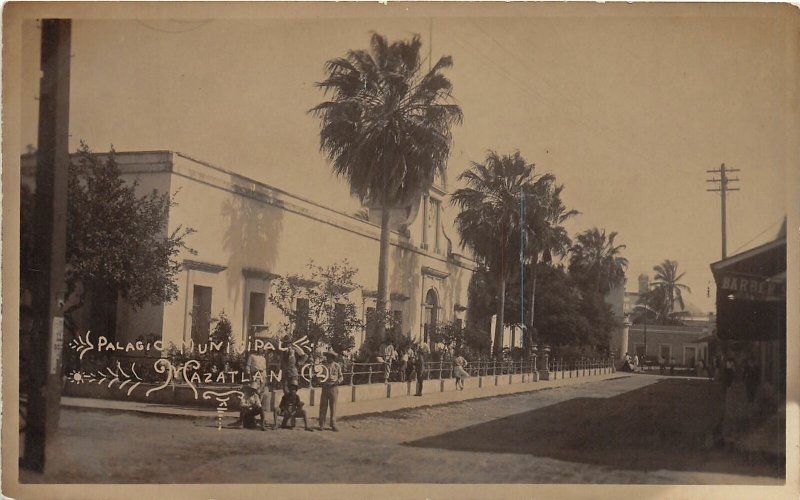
(412, 250)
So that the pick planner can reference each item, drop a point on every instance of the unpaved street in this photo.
(523, 438)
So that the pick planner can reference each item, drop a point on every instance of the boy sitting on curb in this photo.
(291, 407)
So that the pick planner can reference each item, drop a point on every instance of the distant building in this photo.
(248, 233)
(631, 298)
(685, 344)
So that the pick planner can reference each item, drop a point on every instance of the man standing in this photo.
(419, 366)
(330, 390)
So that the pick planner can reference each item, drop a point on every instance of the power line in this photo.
(759, 234)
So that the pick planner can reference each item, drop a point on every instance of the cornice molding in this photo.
(206, 267)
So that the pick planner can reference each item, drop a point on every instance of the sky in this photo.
(627, 111)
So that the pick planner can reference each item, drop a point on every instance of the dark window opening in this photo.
(201, 314)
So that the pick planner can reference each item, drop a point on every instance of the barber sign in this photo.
(747, 287)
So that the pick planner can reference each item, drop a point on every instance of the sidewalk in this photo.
(349, 409)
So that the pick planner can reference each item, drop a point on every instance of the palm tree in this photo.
(550, 238)
(489, 218)
(386, 129)
(666, 290)
(596, 260)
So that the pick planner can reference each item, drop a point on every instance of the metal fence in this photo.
(371, 373)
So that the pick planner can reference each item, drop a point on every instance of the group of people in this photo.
(413, 364)
(255, 400)
(630, 364)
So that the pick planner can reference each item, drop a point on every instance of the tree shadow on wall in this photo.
(405, 279)
(253, 231)
(666, 425)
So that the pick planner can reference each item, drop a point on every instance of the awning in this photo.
(751, 293)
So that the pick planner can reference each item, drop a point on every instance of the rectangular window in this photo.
(301, 315)
(256, 315)
(665, 352)
(201, 314)
(398, 322)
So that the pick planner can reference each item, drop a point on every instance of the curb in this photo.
(211, 413)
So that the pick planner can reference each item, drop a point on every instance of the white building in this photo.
(248, 233)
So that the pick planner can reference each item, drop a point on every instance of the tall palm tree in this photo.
(489, 218)
(549, 237)
(666, 290)
(596, 260)
(386, 129)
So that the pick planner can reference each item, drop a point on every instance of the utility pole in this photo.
(49, 256)
(521, 264)
(723, 189)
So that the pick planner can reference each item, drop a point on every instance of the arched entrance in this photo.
(431, 316)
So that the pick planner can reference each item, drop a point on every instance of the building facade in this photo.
(683, 344)
(751, 308)
(249, 233)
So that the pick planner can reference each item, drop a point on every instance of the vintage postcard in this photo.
(413, 250)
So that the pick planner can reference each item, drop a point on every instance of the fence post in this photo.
(369, 376)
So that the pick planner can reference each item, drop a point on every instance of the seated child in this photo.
(249, 408)
(291, 407)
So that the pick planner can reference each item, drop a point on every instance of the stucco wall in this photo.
(675, 337)
(242, 224)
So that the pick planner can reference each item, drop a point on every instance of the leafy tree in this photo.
(481, 299)
(117, 242)
(222, 357)
(546, 217)
(569, 315)
(450, 335)
(386, 129)
(489, 218)
(478, 342)
(331, 316)
(666, 292)
(559, 319)
(596, 262)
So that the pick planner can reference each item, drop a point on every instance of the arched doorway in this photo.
(431, 316)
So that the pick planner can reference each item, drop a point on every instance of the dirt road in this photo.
(536, 437)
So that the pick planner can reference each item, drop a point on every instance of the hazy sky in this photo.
(627, 112)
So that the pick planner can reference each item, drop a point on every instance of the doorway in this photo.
(431, 317)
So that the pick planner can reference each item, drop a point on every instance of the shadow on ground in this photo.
(668, 425)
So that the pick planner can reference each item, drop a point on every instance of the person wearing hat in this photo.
(419, 366)
(249, 408)
(291, 407)
(291, 358)
(256, 369)
(330, 389)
